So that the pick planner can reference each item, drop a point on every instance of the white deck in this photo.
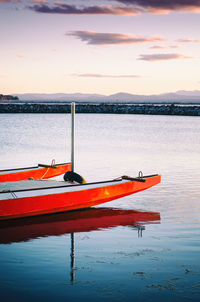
(31, 184)
(32, 188)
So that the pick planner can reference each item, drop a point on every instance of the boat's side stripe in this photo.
(16, 170)
(57, 190)
(2, 172)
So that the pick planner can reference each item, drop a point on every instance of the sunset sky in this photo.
(105, 47)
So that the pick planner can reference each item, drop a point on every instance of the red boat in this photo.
(41, 171)
(73, 222)
(36, 197)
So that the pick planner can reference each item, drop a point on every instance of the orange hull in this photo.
(62, 197)
(39, 172)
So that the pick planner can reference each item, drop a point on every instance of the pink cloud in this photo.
(98, 75)
(165, 46)
(20, 56)
(188, 40)
(163, 57)
(91, 37)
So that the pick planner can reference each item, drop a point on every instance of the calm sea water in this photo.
(104, 260)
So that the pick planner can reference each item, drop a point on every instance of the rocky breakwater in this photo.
(154, 109)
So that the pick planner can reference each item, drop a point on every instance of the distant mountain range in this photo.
(180, 96)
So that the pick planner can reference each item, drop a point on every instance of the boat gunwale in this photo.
(74, 185)
(35, 167)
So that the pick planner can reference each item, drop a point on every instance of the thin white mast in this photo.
(72, 169)
(72, 134)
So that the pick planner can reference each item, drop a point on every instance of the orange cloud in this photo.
(39, 1)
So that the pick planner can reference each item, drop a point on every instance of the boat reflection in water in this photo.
(92, 219)
(87, 220)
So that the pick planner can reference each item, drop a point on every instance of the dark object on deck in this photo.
(72, 176)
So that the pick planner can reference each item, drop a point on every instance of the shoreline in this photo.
(105, 108)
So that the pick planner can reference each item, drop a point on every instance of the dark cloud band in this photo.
(86, 10)
(8, 1)
(125, 7)
(170, 5)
